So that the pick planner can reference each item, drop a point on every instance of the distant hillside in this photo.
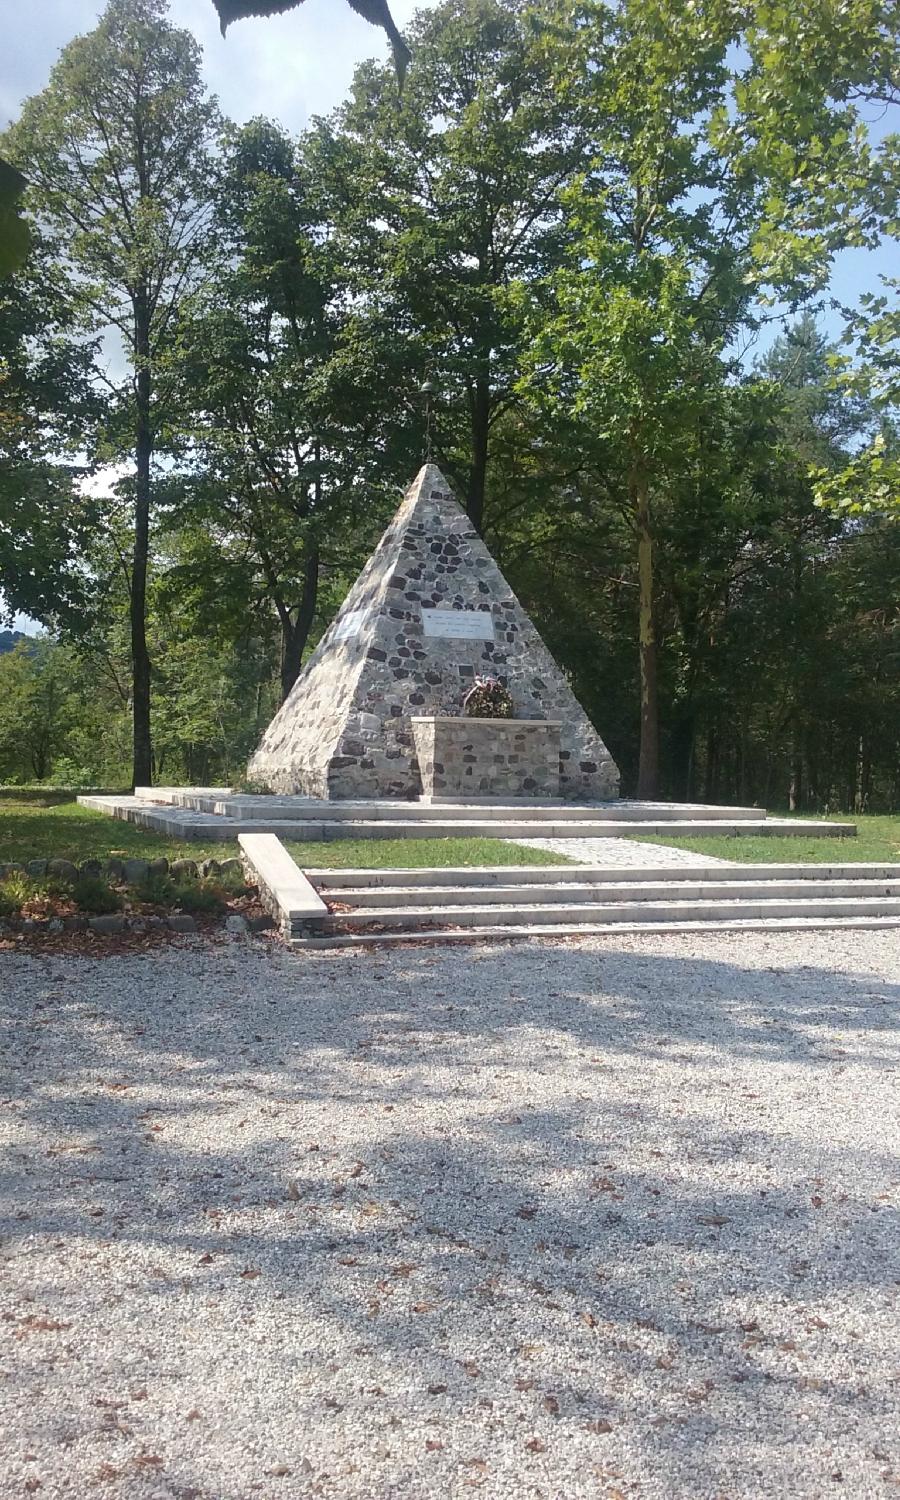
(10, 639)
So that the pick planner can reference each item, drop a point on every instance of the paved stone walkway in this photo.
(626, 853)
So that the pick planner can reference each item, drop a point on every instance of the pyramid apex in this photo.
(430, 477)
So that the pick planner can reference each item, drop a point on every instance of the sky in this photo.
(289, 67)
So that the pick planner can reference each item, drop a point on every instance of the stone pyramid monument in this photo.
(429, 613)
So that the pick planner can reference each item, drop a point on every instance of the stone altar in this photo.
(487, 758)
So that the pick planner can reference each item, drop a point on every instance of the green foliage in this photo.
(200, 897)
(15, 238)
(94, 895)
(15, 891)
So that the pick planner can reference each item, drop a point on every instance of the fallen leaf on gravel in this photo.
(250, 1273)
(527, 1211)
(524, 1385)
(476, 1463)
(599, 1425)
(534, 1445)
(552, 1405)
(139, 1395)
(716, 1220)
(425, 1307)
(280, 1471)
(192, 1415)
(32, 1324)
(432, 1445)
(436, 1390)
(205, 1260)
(471, 1368)
(749, 1326)
(588, 1318)
(816, 1323)
(147, 1461)
(293, 1192)
(665, 1362)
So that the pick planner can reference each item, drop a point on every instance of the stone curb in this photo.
(125, 869)
(112, 924)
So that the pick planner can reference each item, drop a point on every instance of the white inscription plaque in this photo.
(350, 625)
(459, 624)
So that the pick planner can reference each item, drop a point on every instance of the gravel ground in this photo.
(606, 1219)
(625, 853)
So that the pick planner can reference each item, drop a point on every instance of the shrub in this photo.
(156, 890)
(15, 891)
(203, 896)
(94, 895)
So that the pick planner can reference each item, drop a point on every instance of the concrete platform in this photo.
(207, 814)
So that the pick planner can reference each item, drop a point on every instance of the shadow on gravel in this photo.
(607, 1194)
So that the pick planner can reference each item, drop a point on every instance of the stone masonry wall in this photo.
(345, 729)
(487, 757)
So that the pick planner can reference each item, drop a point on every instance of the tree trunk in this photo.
(294, 635)
(481, 416)
(648, 762)
(795, 786)
(142, 770)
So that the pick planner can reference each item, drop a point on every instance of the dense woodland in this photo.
(605, 232)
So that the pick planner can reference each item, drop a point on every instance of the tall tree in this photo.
(117, 153)
(47, 410)
(447, 199)
(277, 400)
(705, 198)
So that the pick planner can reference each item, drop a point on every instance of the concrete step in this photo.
(572, 893)
(537, 931)
(300, 809)
(423, 918)
(481, 877)
(178, 821)
(476, 828)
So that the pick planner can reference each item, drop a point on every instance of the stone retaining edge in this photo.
(284, 890)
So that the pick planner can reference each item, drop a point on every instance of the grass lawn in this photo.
(877, 842)
(399, 854)
(56, 829)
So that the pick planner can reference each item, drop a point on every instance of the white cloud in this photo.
(289, 67)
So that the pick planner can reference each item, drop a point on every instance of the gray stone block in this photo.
(235, 923)
(233, 867)
(108, 924)
(260, 923)
(181, 922)
(115, 869)
(159, 866)
(183, 869)
(90, 868)
(209, 867)
(36, 867)
(136, 870)
(63, 869)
